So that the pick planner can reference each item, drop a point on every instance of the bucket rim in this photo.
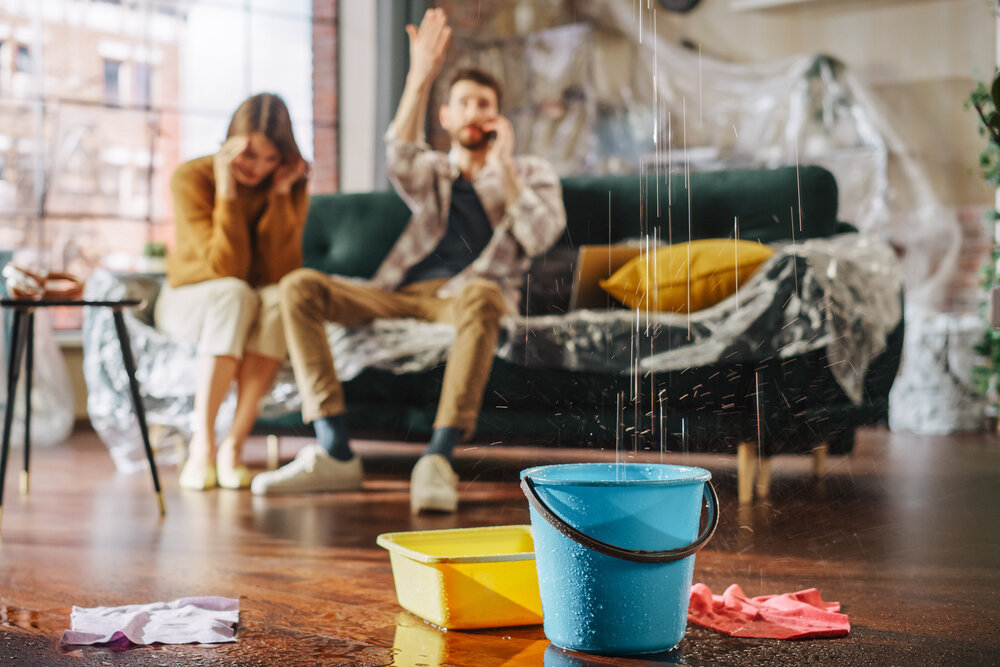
(692, 475)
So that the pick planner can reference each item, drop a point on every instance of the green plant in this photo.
(154, 249)
(986, 102)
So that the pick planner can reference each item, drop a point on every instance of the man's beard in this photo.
(482, 142)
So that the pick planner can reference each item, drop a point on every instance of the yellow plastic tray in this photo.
(466, 578)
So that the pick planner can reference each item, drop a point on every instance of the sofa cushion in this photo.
(350, 234)
(765, 202)
(717, 268)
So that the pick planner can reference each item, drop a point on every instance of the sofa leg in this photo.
(746, 471)
(764, 478)
(272, 452)
(819, 460)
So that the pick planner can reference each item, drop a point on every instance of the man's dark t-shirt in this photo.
(468, 232)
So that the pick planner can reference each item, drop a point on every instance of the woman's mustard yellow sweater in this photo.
(256, 236)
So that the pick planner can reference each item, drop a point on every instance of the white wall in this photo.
(357, 58)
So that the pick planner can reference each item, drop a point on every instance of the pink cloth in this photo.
(796, 615)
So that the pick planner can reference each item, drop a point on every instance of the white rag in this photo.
(202, 620)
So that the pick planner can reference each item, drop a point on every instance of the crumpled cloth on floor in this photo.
(798, 615)
(197, 620)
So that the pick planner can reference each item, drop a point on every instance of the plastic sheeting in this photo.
(839, 294)
(608, 94)
(51, 390)
(165, 370)
(934, 394)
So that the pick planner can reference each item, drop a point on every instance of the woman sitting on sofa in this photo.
(239, 220)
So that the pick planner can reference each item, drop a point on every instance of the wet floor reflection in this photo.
(557, 657)
(316, 589)
(25, 619)
(341, 520)
(420, 644)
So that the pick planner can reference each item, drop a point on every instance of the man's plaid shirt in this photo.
(529, 227)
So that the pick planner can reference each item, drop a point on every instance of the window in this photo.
(112, 70)
(127, 91)
(22, 62)
(142, 84)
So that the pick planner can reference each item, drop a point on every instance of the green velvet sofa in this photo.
(732, 404)
(753, 404)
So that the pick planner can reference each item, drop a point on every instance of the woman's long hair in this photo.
(266, 113)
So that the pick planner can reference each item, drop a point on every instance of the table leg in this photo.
(29, 365)
(140, 411)
(13, 370)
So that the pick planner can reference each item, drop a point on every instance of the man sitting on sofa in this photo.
(479, 214)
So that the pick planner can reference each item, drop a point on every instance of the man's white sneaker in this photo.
(312, 471)
(433, 485)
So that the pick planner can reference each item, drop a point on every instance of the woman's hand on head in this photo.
(287, 175)
(225, 181)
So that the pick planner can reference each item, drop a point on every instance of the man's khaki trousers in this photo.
(310, 298)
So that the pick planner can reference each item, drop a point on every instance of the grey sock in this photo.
(331, 434)
(443, 441)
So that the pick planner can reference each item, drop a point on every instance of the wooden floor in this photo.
(905, 533)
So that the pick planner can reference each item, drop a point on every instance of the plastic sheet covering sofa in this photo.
(804, 354)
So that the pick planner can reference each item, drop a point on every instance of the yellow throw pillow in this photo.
(718, 266)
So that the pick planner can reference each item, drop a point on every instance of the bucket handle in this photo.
(634, 555)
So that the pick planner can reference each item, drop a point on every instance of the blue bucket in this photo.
(614, 549)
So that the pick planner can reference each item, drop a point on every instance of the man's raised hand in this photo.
(428, 46)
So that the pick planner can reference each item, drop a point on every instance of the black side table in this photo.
(22, 343)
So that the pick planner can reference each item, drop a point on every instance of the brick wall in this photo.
(964, 292)
(325, 173)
